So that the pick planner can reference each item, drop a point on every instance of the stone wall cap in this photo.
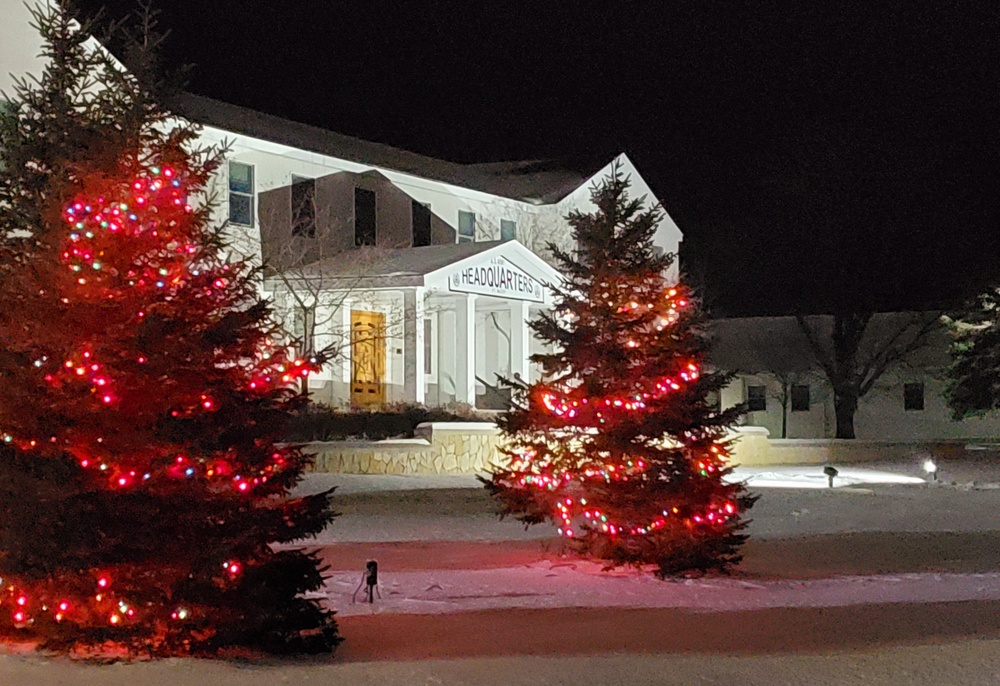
(458, 426)
(361, 443)
(751, 430)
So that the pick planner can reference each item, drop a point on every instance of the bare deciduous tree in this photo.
(535, 231)
(316, 277)
(856, 349)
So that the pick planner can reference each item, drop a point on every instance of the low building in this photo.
(781, 381)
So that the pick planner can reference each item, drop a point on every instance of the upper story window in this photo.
(421, 215)
(364, 217)
(303, 206)
(466, 226)
(241, 193)
(508, 229)
(913, 396)
(756, 399)
(800, 398)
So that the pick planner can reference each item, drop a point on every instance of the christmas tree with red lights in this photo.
(143, 482)
(618, 444)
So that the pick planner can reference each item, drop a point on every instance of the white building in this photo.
(420, 273)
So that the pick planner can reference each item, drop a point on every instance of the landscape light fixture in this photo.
(830, 473)
(931, 468)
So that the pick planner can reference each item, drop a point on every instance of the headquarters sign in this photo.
(499, 278)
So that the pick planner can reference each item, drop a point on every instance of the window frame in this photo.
(424, 207)
(752, 398)
(795, 397)
(463, 237)
(430, 348)
(248, 195)
(304, 229)
(366, 192)
(909, 404)
(508, 224)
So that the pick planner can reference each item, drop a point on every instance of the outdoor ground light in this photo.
(830, 473)
(931, 468)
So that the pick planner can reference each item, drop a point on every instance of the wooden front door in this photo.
(367, 358)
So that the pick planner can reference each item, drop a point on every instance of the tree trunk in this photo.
(784, 408)
(845, 406)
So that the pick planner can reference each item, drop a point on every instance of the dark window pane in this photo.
(466, 226)
(428, 350)
(241, 209)
(241, 193)
(756, 398)
(713, 401)
(303, 207)
(913, 396)
(421, 224)
(800, 398)
(364, 217)
(508, 230)
(240, 177)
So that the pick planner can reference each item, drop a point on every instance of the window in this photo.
(713, 401)
(303, 207)
(913, 396)
(421, 214)
(508, 230)
(756, 399)
(428, 345)
(800, 398)
(364, 217)
(466, 227)
(241, 193)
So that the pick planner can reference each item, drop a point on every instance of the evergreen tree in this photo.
(974, 375)
(142, 479)
(618, 444)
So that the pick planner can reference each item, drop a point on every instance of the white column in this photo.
(520, 340)
(413, 345)
(465, 349)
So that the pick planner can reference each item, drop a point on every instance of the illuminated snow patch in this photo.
(812, 476)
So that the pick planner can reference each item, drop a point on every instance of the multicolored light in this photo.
(581, 417)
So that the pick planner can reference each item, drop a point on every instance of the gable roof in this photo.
(541, 182)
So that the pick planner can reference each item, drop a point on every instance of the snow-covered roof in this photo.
(542, 182)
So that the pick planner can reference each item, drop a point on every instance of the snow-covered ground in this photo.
(810, 476)
(401, 518)
(885, 578)
(579, 584)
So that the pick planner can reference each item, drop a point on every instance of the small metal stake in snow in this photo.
(369, 578)
(931, 469)
(830, 473)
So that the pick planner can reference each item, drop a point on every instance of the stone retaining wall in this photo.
(439, 448)
(471, 447)
(464, 448)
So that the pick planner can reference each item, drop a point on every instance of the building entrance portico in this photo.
(455, 322)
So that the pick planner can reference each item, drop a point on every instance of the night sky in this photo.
(816, 155)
